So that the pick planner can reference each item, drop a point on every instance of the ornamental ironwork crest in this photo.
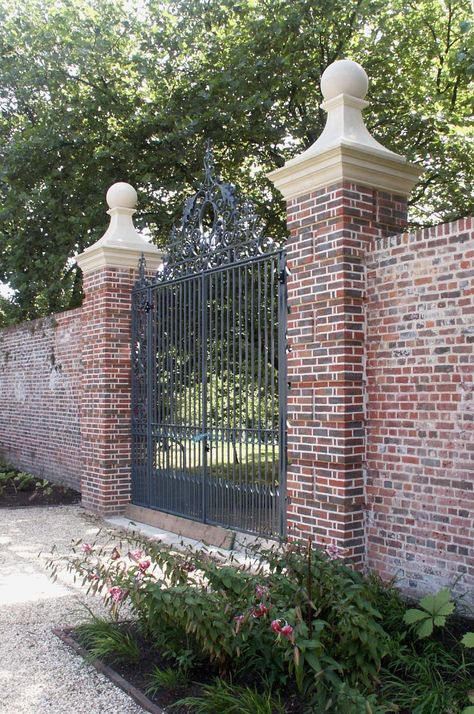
(218, 227)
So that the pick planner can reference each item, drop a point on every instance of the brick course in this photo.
(40, 387)
(420, 407)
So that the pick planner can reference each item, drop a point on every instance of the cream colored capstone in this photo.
(345, 151)
(121, 246)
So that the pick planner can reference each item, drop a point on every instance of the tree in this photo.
(93, 92)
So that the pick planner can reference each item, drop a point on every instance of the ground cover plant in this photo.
(20, 488)
(292, 630)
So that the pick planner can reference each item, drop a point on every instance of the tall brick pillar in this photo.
(109, 267)
(341, 193)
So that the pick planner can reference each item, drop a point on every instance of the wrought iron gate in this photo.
(209, 369)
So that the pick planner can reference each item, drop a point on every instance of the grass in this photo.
(226, 698)
(108, 641)
(244, 462)
(168, 678)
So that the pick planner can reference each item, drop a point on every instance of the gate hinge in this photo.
(283, 273)
(148, 306)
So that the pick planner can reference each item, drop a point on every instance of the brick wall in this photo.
(330, 231)
(105, 423)
(420, 407)
(40, 387)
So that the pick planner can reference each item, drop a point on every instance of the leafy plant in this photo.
(226, 698)
(108, 640)
(23, 481)
(435, 609)
(468, 640)
(169, 678)
(426, 677)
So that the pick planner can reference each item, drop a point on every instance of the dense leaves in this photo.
(93, 92)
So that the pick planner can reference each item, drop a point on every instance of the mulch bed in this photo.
(59, 496)
(134, 680)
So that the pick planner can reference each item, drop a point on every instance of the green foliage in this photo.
(351, 701)
(108, 640)
(226, 698)
(169, 678)
(23, 481)
(296, 616)
(435, 609)
(98, 91)
(292, 620)
(427, 677)
(468, 639)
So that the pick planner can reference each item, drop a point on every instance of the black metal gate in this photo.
(209, 369)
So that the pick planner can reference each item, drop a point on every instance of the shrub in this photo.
(296, 616)
(296, 619)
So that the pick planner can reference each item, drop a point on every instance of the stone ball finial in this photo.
(344, 77)
(121, 195)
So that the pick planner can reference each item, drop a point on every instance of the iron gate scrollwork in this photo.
(209, 369)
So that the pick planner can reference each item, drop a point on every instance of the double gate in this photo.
(209, 374)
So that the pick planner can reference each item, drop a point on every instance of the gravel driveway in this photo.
(38, 673)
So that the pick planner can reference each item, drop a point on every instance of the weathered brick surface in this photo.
(330, 231)
(420, 407)
(40, 388)
(105, 414)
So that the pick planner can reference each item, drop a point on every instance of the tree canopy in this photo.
(95, 91)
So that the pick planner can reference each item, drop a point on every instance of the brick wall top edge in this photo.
(48, 321)
(441, 230)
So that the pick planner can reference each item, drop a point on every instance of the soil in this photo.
(137, 676)
(53, 495)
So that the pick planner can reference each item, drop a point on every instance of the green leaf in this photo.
(428, 603)
(446, 609)
(468, 639)
(443, 599)
(425, 628)
(413, 615)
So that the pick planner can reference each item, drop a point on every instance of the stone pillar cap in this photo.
(346, 150)
(121, 245)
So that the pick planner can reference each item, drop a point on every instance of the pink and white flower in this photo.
(260, 610)
(117, 593)
(334, 552)
(144, 564)
(287, 631)
(87, 548)
(281, 627)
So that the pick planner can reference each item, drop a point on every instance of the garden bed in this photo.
(295, 632)
(19, 489)
(134, 678)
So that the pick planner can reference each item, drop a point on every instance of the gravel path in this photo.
(38, 673)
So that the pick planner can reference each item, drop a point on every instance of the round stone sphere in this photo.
(121, 195)
(344, 77)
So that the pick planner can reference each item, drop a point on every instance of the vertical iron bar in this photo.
(149, 391)
(258, 475)
(204, 319)
(268, 486)
(282, 387)
(227, 424)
